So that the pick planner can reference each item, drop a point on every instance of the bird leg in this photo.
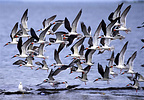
(120, 71)
(85, 83)
(31, 67)
(113, 76)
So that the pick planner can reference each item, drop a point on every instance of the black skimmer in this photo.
(140, 78)
(57, 59)
(119, 59)
(61, 46)
(84, 74)
(94, 41)
(79, 67)
(134, 85)
(44, 65)
(24, 20)
(72, 28)
(110, 65)
(88, 57)
(12, 34)
(59, 39)
(130, 64)
(46, 23)
(123, 20)
(104, 74)
(41, 38)
(63, 67)
(70, 39)
(41, 51)
(86, 32)
(23, 47)
(115, 14)
(74, 48)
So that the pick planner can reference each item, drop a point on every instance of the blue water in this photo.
(92, 14)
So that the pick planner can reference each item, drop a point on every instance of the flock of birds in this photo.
(34, 46)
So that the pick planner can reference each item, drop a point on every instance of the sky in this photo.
(69, 0)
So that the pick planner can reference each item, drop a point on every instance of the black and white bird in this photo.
(104, 74)
(72, 29)
(84, 78)
(12, 35)
(44, 65)
(119, 59)
(130, 64)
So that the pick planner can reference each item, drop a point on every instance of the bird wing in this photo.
(131, 60)
(84, 29)
(96, 34)
(142, 40)
(61, 46)
(24, 19)
(116, 12)
(100, 70)
(117, 59)
(123, 15)
(33, 34)
(26, 43)
(122, 52)
(41, 49)
(74, 48)
(109, 27)
(57, 25)
(106, 73)
(56, 57)
(70, 39)
(43, 33)
(88, 55)
(67, 25)
(47, 22)
(87, 69)
(103, 25)
(90, 41)
(19, 45)
(14, 30)
(81, 52)
(74, 23)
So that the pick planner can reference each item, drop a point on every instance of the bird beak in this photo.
(64, 38)
(63, 82)
(142, 47)
(16, 36)
(127, 85)
(38, 30)
(122, 73)
(14, 56)
(76, 78)
(54, 23)
(95, 80)
(51, 65)
(66, 56)
(37, 69)
(5, 44)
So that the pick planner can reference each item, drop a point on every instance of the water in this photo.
(92, 14)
